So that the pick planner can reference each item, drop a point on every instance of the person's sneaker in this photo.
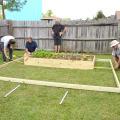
(10, 59)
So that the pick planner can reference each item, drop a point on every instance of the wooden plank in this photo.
(81, 36)
(63, 85)
(113, 70)
(106, 68)
(20, 44)
(2, 65)
(73, 39)
(115, 75)
(4, 27)
(102, 60)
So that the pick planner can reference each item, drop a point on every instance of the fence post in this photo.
(10, 28)
(76, 35)
(118, 34)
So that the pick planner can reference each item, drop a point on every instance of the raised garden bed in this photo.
(60, 60)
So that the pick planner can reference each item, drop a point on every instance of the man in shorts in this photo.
(57, 30)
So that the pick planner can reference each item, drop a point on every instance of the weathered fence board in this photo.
(3, 27)
(80, 36)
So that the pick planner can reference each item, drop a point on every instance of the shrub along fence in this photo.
(81, 36)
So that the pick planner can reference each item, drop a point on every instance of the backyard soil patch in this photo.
(61, 60)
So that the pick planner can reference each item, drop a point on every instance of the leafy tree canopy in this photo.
(99, 15)
(14, 5)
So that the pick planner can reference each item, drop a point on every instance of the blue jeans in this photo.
(3, 54)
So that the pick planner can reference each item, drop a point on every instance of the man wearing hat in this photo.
(7, 43)
(116, 52)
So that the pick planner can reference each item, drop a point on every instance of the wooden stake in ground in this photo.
(11, 91)
(63, 97)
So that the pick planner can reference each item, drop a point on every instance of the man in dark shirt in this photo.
(31, 46)
(57, 30)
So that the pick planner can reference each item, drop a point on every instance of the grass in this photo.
(42, 103)
(104, 56)
(31, 102)
(90, 77)
(17, 53)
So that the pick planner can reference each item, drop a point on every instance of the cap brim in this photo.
(114, 44)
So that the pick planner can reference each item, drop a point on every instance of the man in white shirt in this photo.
(116, 52)
(7, 42)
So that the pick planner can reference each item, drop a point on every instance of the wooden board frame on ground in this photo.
(67, 85)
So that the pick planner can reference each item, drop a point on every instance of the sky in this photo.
(31, 11)
(80, 9)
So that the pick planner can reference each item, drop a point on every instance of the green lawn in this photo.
(42, 103)
(30, 102)
(17, 53)
(91, 77)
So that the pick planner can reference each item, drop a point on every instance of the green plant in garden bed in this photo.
(47, 54)
(44, 54)
(68, 56)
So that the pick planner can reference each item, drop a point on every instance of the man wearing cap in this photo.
(116, 52)
(7, 42)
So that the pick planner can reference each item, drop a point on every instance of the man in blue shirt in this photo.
(30, 46)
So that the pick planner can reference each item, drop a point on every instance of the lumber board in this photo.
(115, 75)
(62, 85)
(2, 65)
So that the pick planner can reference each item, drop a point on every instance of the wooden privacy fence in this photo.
(80, 36)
